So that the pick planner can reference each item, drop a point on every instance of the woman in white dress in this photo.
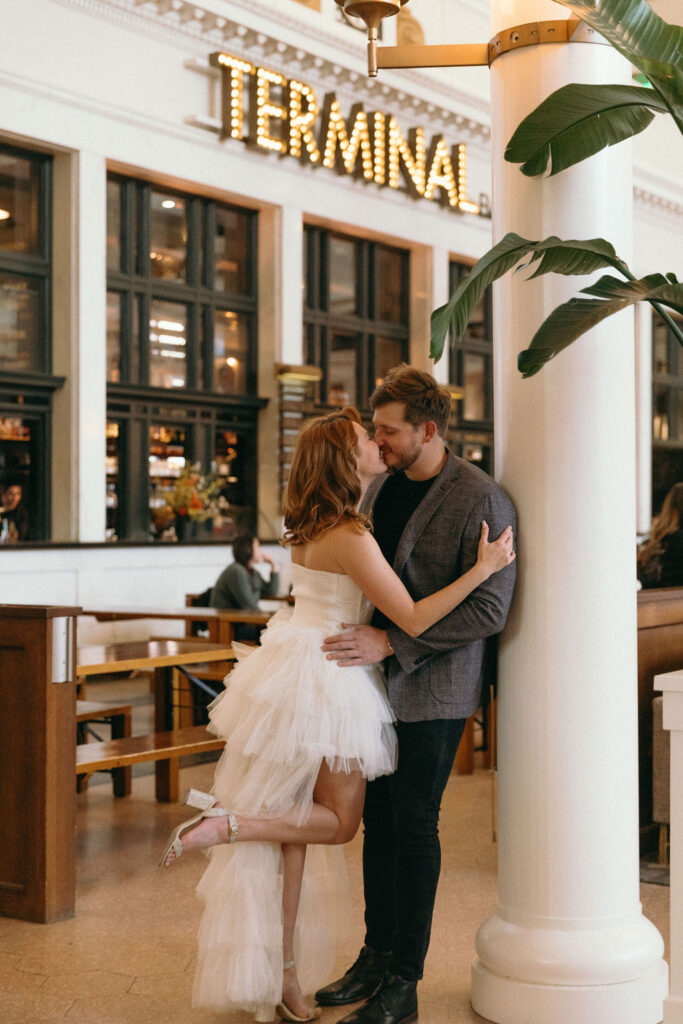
(302, 736)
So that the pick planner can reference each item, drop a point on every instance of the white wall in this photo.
(111, 83)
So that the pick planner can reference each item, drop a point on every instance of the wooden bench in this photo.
(118, 717)
(160, 746)
(98, 711)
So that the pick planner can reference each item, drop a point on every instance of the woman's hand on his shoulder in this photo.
(497, 554)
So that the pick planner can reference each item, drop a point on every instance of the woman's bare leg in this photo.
(293, 859)
(335, 816)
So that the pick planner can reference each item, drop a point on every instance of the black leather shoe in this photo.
(395, 1002)
(361, 980)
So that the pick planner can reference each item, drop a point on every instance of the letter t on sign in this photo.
(232, 71)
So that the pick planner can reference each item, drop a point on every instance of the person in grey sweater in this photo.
(240, 585)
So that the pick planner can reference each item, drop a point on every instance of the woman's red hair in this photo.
(324, 486)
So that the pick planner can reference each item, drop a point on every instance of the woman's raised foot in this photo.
(212, 826)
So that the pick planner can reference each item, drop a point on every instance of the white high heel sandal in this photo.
(205, 803)
(284, 1011)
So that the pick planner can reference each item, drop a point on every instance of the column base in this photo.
(508, 1001)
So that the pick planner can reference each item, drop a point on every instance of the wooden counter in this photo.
(660, 649)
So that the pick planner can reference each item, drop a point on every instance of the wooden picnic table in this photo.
(220, 621)
(162, 656)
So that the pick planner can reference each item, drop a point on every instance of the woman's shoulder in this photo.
(331, 548)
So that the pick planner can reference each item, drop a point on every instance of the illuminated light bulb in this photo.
(232, 71)
(231, 361)
(168, 204)
(441, 173)
(301, 121)
(5, 215)
(466, 203)
(401, 158)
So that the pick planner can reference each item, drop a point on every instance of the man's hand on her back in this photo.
(358, 645)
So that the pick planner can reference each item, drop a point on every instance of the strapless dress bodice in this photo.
(326, 599)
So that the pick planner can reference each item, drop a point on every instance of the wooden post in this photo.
(38, 762)
(167, 781)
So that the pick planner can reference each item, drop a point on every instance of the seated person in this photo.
(660, 558)
(13, 514)
(242, 586)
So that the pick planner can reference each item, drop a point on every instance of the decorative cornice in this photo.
(657, 202)
(652, 190)
(198, 30)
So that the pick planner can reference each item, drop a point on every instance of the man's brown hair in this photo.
(424, 399)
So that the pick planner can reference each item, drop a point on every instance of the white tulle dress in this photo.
(286, 708)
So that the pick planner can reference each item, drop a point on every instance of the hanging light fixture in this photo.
(371, 12)
(453, 54)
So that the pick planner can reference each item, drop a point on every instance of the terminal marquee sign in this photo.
(280, 115)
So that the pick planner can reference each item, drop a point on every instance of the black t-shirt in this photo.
(394, 505)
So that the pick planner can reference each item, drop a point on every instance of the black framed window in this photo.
(25, 272)
(471, 372)
(667, 412)
(356, 316)
(26, 384)
(181, 352)
(181, 309)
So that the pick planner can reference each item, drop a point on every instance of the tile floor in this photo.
(128, 955)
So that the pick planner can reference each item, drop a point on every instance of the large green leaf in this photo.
(577, 121)
(554, 255)
(572, 319)
(640, 35)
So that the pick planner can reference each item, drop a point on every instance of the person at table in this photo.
(241, 585)
(302, 736)
(13, 513)
(660, 557)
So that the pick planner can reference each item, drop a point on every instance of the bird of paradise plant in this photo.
(571, 125)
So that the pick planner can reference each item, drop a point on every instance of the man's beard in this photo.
(404, 462)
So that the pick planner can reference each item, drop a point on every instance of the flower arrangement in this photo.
(192, 496)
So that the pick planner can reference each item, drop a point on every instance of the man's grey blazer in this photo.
(439, 674)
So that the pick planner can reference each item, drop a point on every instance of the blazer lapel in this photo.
(417, 523)
(368, 499)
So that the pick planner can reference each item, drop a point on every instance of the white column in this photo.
(291, 254)
(280, 280)
(672, 686)
(643, 315)
(79, 347)
(567, 943)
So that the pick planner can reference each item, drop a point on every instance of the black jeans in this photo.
(401, 849)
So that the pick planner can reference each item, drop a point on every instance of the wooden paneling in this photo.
(37, 754)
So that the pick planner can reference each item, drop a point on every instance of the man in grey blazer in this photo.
(427, 518)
